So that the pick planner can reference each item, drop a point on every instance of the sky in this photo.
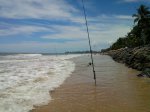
(49, 26)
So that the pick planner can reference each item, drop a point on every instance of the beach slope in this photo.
(118, 89)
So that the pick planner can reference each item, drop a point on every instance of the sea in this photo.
(26, 79)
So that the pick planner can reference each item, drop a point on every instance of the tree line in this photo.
(139, 34)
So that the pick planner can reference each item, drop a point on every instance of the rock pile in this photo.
(137, 58)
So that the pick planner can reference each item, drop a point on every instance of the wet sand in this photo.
(118, 89)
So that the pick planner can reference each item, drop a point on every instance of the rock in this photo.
(89, 64)
(137, 58)
(146, 72)
(140, 75)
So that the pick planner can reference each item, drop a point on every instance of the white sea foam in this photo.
(26, 79)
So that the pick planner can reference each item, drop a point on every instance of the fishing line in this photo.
(87, 29)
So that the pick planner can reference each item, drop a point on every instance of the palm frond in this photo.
(136, 20)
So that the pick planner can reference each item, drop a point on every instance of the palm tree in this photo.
(142, 18)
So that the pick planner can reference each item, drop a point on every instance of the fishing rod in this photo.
(87, 29)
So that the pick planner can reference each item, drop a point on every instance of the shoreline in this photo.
(115, 83)
(73, 81)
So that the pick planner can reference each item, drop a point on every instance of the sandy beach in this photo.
(118, 89)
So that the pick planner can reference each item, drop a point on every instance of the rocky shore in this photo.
(136, 58)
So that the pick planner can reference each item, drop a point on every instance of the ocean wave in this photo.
(26, 83)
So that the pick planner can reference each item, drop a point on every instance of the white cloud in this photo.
(22, 30)
(49, 9)
(67, 32)
(59, 10)
(102, 24)
(101, 37)
(113, 17)
(124, 17)
(111, 34)
(102, 29)
(100, 33)
(97, 24)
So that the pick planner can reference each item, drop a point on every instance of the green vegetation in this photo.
(140, 33)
